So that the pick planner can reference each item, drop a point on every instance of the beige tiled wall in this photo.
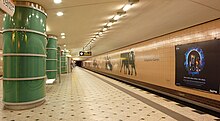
(161, 72)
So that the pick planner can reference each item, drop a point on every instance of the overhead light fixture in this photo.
(97, 36)
(126, 7)
(109, 24)
(104, 29)
(57, 1)
(94, 38)
(133, 1)
(62, 34)
(59, 13)
(64, 45)
(63, 37)
(116, 17)
(100, 33)
(129, 5)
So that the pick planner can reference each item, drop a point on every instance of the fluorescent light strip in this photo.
(126, 7)
(116, 17)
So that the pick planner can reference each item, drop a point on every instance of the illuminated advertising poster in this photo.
(198, 65)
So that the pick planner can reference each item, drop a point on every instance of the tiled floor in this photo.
(87, 96)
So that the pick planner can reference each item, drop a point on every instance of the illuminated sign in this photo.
(7, 6)
(81, 53)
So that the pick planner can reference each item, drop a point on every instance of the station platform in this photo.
(87, 96)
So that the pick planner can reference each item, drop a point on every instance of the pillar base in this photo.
(50, 81)
(23, 106)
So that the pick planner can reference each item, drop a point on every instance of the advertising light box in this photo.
(198, 65)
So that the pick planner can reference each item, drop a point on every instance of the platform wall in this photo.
(154, 60)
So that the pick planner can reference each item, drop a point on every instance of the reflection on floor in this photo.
(87, 96)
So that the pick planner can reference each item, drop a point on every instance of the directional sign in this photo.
(7, 6)
(81, 53)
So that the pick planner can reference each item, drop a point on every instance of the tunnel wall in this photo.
(155, 63)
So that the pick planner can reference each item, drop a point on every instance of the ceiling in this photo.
(82, 19)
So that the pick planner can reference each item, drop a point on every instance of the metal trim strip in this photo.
(51, 70)
(25, 103)
(25, 30)
(51, 59)
(24, 54)
(25, 79)
(51, 48)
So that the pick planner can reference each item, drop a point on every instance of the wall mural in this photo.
(128, 63)
(108, 64)
(95, 63)
(197, 65)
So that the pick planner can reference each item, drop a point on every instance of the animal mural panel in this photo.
(128, 63)
(95, 63)
(108, 64)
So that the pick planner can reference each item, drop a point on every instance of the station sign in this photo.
(82, 53)
(7, 6)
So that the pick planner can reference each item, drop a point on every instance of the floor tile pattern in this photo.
(82, 96)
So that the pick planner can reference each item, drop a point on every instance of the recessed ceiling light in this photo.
(97, 36)
(59, 13)
(64, 45)
(126, 7)
(57, 1)
(63, 37)
(62, 34)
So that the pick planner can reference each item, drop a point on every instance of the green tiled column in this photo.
(58, 60)
(24, 56)
(63, 62)
(51, 57)
(58, 63)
